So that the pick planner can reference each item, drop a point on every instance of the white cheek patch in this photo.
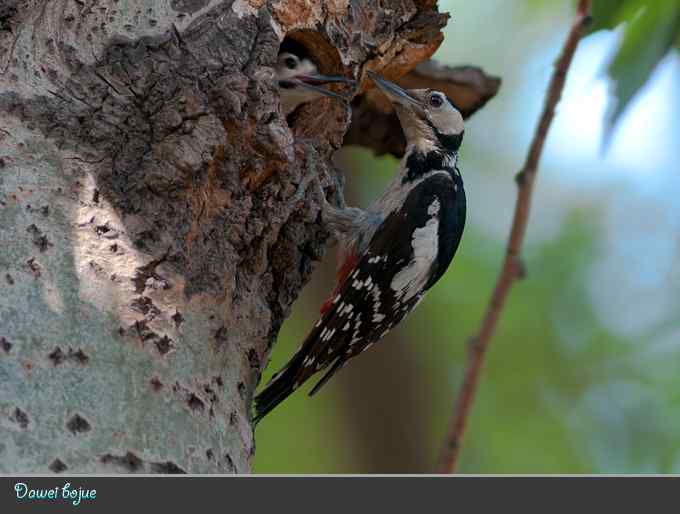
(448, 121)
(426, 146)
(306, 67)
(425, 242)
(419, 133)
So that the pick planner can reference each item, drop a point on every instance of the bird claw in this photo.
(311, 175)
(329, 213)
(336, 186)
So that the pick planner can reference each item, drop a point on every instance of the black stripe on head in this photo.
(449, 142)
(291, 46)
(453, 104)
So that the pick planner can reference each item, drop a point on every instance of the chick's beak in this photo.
(313, 83)
(318, 80)
(396, 94)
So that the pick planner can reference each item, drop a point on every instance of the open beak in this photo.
(319, 80)
(393, 92)
(313, 83)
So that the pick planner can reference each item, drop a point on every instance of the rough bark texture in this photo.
(149, 250)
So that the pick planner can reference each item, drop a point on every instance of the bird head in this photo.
(429, 119)
(300, 81)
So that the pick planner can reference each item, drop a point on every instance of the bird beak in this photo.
(313, 83)
(318, 80)
(396, 94)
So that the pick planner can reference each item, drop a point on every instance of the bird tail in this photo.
(312, 356)
(336, 366)
(279, 388)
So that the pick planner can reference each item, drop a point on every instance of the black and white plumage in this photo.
(393, 252)
(300, 82)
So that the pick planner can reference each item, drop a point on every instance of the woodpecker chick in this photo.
(299, 82)
(393, 252)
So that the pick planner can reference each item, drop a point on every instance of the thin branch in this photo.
(513, 268)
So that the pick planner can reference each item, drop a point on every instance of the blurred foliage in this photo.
(605, 14)
(546, 403)
(651, 29)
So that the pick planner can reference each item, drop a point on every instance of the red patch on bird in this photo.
(343, 272)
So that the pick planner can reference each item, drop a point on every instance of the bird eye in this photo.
(436, 100)
(290, 63)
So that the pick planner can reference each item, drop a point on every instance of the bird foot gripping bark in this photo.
(312, 177)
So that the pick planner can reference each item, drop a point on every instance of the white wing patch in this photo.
(433, 208)
(425, 242)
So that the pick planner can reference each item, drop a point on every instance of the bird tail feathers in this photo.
(278, 389)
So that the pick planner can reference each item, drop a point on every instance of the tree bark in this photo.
(149, 248)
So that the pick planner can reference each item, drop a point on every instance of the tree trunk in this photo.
(149, 248)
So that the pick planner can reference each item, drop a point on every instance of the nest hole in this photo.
(307, 123)
(312, 44)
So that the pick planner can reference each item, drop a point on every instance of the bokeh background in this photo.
(583, 375)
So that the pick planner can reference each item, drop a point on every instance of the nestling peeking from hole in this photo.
(299, 79)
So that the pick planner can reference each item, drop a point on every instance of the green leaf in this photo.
(651, 30)
(605, 14)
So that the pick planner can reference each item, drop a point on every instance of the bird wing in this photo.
(410, 250)
(411, 247)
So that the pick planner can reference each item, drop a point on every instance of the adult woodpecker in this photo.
(299, 81)
(393, 252)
